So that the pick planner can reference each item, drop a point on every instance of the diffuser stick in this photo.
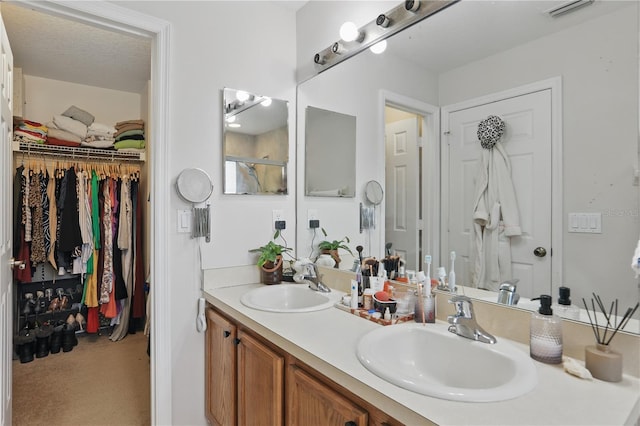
(595, 317)
(595, 333)
(625, 320)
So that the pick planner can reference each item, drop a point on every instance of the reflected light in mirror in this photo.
(379, 47)
(242, 96)
(349, 31)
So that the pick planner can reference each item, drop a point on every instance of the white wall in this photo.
(216, 44)
(600, 119)
(45, 98)
(340, 216)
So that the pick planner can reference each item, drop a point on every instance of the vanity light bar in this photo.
(385, 25)
(568, 7)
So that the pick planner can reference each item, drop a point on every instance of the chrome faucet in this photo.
(507, 294)
(313, 277)
(464, 324)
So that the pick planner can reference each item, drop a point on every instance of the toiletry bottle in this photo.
(387, 314)
(360, 286)
(354, 294)
(546, 334)
(564, 308)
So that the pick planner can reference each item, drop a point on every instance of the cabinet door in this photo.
(260, 383)
(220, 370)
(311, 402)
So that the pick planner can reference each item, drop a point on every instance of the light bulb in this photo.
(234, 124)
(266, 102)
(349, 31)
(241, 95)
(231, 119)
(379, 47)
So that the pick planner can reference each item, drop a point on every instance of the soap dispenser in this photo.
(564, 308)
(546, 334)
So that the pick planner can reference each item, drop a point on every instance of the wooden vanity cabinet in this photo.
(250, 381)
(309, 400)
(244, 378)
(260, 383)
(220, 370)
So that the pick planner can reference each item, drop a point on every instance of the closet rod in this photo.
(79, 153)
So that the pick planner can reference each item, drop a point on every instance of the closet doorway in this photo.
(99, 14)
(410, 135)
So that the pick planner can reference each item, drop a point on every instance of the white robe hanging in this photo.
(495, 220)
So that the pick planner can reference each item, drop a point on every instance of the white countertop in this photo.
(326, 340)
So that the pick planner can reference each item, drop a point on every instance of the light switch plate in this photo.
(589, 223)
(184, 221)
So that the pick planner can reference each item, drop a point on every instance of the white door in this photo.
(527, 141)
(402, 185)
(6, 281)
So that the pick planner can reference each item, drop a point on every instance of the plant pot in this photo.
(334, 255)
(271, 273)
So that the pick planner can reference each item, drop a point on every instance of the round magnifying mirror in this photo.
(194, 185)
(373, 192)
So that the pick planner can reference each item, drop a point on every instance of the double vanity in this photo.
(405, 373)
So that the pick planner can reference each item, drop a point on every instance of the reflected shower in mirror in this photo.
(255, 143)
(330, 153)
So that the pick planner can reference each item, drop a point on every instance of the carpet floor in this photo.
(99, 382)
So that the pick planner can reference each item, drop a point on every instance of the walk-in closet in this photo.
(80, 221)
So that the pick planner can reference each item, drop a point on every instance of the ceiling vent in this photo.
(569, 6)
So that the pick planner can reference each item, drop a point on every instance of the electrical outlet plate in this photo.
(312, 214)
(278, 215)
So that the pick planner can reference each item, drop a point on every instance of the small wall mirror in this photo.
(255, 143)
(330, 153)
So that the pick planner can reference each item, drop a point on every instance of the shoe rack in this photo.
(49, 300)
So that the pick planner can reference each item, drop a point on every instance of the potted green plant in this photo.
(331, 247)
(270, 260)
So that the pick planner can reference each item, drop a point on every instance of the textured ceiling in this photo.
(51, 47)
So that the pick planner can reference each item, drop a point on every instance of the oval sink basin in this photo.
(432, 361)
(287, 298)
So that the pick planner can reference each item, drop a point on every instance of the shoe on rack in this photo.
(80, 321)
(54, 305)
(25, 345)
(29, 307)
(56, 339)
(64, 303)
(68, 338)
(43, 335)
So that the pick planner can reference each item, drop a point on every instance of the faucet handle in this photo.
(460, 301)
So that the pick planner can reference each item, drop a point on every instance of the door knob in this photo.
(19, 263)
(540, 252)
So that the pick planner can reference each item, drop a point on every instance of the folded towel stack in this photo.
(100, 136)
(30, 131)
(129, 135)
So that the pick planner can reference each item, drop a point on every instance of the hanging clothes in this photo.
(82, 221)
(495, 220)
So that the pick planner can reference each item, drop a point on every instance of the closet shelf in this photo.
(79, 153)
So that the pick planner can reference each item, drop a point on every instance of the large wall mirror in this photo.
(255, 143)
(472, 51)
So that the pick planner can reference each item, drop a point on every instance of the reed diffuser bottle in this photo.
(546, 334)
(603, 362)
